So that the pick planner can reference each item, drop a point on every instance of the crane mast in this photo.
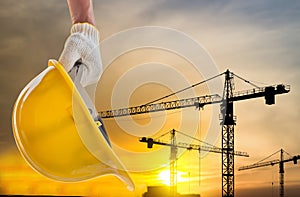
(227, 123)
(173, 164)
(281, 174)
(281, 162)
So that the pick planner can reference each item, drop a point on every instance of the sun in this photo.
(164, 177)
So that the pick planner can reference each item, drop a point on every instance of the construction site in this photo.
(194, 99)
(227, 127)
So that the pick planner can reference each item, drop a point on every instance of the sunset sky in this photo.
(149, 50)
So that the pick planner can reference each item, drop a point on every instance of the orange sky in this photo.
(258, 40)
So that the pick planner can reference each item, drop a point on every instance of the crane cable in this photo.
(162, 135)
(196, 139)
(287, 153)
(184, 89)
(182, 133)
(247, 81)
(267, 157)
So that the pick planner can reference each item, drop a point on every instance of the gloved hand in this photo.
(82, 47)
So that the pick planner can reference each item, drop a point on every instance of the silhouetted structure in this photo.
(280, 161)
(173, 154)
(227, 117)
(164, 191)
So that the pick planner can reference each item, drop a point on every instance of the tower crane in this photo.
(228, 120)
(280, 161)
(174, 145)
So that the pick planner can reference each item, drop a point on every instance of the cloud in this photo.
(31, 33)
(257, 39)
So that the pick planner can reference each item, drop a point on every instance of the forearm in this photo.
(81, 11)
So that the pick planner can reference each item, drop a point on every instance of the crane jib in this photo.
(268, 92)
(150, 142)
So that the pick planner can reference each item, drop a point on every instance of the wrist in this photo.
(88, 30)
(81, 11)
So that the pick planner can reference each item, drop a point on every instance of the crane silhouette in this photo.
(280, 161)
(228, 119)
(174, 145)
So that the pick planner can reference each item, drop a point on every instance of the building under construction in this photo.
(159, 191)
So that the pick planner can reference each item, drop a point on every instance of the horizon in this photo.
(153, 49)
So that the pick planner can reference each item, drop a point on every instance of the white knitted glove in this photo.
(82, 46)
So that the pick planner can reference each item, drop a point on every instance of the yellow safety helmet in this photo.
(56, 133)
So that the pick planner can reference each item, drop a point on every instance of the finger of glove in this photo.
(70, 54)
(93, 68)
